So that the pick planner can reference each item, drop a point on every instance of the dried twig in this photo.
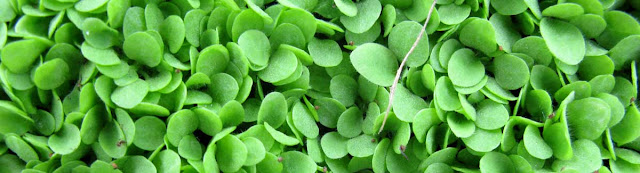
(395, 81)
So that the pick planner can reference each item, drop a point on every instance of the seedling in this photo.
(319, 86)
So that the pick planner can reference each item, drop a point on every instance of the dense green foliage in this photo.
(302, 86)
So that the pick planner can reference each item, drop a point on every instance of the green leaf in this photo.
(116, 11)
(304, 121)
(343, 88)
(483, 140)
(255, 45)
(459, 125)
(92, 123)
(508, 7)
(586, 157)
(406, 105)
(270, 163)
(231, 113)
(51, 74)
(282, 64)
(617, 109)
(181, 123)
(423, 121)
(539, 104)
(362, 146)
(287, 33)
(231, 153)
(544, 78)
(368, 12)
(150, 132)
(496, 162)
(144, 48)
(591, 25)
(439, 167)
(588, 124)
(8, 13)
(190, 148)
(167, 161)
(172, 30)
(375, 62)
(491, 115)
(135, 164)
(446, 95)
(18, 56)
(281, 137)
(534, 143)
(22, 148)
(302, 19)
(563, 11)
(325, 53)
(621, 132)
(295, 161)
(223, 88)
(334, 145)
(329, 110)
(452, 14)
(212, 60)
(246, 20)
(582, 90)
(510, 72)
(623, 52)
(464, 69)
(90, 5)
(66, 140)
(192, 24)
(564, 40)
(350, 123)
(46, 123)
(98, 34)
(556, 135)
(112, 140)
(535, 47)
(255, 151)
(401, 39)
(347, 7)
(130, 95)
(273, 110)
(506, 34)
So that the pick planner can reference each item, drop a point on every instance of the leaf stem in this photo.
(404, 60)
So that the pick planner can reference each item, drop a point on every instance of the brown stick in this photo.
(399, 72)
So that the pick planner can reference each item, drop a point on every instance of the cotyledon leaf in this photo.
(18, 56)
(334, 145)
(375, 62)
(534, 143)
(368, 12)
(231, 153)
(401, 40)
(66, 140)
(51, 74)
(273, 110)
(130, 95)
(564, 40)
(143, 48)
(464, 69)
(347, 7)
(304, 121)
(406, 105)
(295, 161)
(446, 95)
(325, 53)
(281, 137)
